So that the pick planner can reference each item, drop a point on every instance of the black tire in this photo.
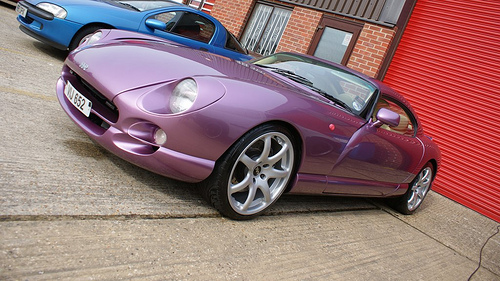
(417, 190)
(81, 34)
(249, 178)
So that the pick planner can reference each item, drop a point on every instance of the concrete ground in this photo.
(71, 211)
(441, 242)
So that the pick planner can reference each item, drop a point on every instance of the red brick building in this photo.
(370, 40)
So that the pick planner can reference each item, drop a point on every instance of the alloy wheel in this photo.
(261, 173)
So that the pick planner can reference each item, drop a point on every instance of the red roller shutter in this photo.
(448, 65)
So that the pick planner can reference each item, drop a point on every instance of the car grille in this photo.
(107, 108)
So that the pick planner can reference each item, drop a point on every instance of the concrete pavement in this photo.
(441, 242)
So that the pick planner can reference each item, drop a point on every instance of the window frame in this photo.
(263, 32)
(411, 117)
(181, 14)
(340, 24)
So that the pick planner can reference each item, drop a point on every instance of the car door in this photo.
(183, 27)
(377, 159)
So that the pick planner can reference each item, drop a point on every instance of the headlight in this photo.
(183, 96)
(57, 11)
(90, 39)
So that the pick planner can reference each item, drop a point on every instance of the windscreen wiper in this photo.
(129, 5)
(308, 83)
(289, 74)
(332, 98)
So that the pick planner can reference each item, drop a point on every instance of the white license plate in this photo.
(21, 10)
(78, 100)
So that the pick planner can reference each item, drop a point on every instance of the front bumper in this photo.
(127, 132)
(43, 26)
(41, 38)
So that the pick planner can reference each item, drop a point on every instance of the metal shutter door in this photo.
(448, 66)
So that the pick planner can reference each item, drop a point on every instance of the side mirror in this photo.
(156, 24)
(388, 117)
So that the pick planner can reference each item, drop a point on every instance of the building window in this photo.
(197, 4)
(265, 28)
(202, 5)
(335, 39)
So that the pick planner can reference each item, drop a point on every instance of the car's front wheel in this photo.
(253, 173)
(414, 196)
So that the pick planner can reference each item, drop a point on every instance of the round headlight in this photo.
(183, 96)
(57, 11)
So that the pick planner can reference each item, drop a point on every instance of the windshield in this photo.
(342, 87)
(146, 5)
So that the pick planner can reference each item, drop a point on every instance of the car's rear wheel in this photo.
(253, 173)
(414, 196)
(82, 34)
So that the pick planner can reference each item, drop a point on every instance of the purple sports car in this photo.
(247, 132)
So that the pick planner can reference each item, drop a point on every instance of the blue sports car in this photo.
(64, 24)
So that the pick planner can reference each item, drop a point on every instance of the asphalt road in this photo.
(70, 210)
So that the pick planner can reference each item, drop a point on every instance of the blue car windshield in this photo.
(144, 5)
(342, 87)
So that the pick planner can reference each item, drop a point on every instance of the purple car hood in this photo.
(123, 65)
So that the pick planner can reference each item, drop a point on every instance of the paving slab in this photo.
(455, 226)
(352, 245)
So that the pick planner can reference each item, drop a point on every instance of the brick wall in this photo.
(300, 30)
(233, 14)
(371, 48)
(367, 56)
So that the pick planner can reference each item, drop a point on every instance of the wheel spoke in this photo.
(426, 178)
(266, 191)
(413, 200)
(242, 184)
(420, 180)
(424, 182)
(277, 174)
(420, 193)
(417, 183)
(265, 150)
(278, 156)
(250, 197)
(248, 162)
